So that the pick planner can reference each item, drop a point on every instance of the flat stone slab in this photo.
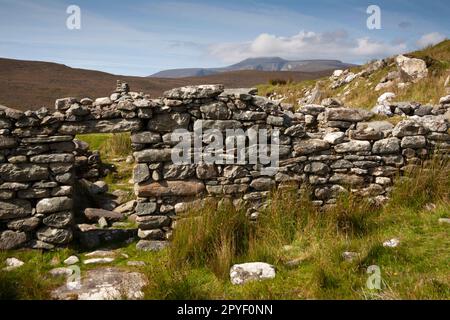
(151, 245)
(104, 284)
(171, 188)
(98, 260)
(101, 254)
(93, 214)
(101, 126)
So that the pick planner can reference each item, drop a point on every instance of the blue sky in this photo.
(142, 37)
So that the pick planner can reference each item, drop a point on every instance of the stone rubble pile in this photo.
(328, 147)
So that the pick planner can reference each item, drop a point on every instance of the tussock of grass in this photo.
(110, 145)
(31, 281)
(214, 238)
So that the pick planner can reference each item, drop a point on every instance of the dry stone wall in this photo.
(330, 149)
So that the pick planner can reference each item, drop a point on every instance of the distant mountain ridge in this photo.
(30, 85)
(258, 64)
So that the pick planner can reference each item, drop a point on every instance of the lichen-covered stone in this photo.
(52, 205)
(54, 236)
(152, 222)
(12, 209)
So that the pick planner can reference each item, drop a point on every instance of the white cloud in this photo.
(430, 39)
(307, 45)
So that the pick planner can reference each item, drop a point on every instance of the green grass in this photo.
(110, 145)
(114, 148)
(31, 281)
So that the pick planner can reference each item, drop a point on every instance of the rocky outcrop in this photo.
(411, 69)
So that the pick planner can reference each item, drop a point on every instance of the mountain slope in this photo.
(259, 64)
(31, 84)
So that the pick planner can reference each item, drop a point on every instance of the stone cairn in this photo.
(330, 149)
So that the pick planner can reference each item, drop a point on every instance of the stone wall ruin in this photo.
(331, 149)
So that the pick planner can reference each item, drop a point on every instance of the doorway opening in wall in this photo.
(104, 196)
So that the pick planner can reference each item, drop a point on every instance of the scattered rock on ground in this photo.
(350, 256)
(411, 69)
(60, 272)
(98, 260)
(151, 245)
(71, 260)
(430, 207)
(253, 271)
(13, 263)
(101, 254)
(393, 243)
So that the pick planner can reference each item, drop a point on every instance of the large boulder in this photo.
(254, 271)
(411, 69)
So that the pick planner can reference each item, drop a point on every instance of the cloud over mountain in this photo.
(307, 44)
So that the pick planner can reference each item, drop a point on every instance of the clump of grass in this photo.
(31, 281)
(117, 145)
(216, 238)
(276, 82)
(110, 145)
(429, 183)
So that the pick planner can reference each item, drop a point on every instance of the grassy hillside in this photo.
(30, 85)
(361, 92)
